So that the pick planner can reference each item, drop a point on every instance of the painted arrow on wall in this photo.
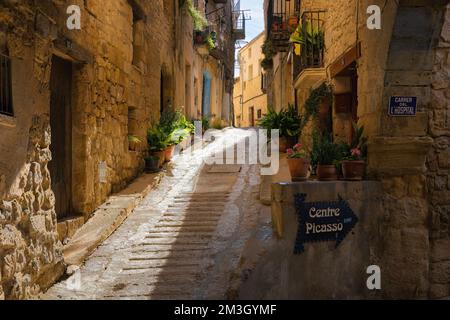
(322, 221)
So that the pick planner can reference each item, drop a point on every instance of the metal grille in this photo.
(5, 86)
(312, 51)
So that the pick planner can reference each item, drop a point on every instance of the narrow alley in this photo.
(224, 150)
(171, 247)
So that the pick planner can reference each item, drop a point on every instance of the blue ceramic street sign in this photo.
(403, 106)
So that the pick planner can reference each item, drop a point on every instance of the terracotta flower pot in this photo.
(327, 172)
(353, 170)
(299, 169)
(292, 22)
(169, 152)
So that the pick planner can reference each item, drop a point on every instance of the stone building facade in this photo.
(250, 102)
(409, 155)
(77, 96)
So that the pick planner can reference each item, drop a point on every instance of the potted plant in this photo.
(298, 163)
(354, 164)
(152, 164)
(290, 127)
(289, 122)
(325, 155)
(293, 22)
(157, 142)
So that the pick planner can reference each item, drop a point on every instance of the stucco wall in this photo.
(252, 94)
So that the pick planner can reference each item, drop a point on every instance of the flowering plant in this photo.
(298, 152)
(355, 155)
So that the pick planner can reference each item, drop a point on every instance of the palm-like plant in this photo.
(289, 122)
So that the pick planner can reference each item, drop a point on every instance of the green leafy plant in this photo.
(134, 139)
(316, 97)
(271, 121)
(324, 151)
(269, 53)
(205, 123)
(198, 19)
(289, 121)
(357, 150)
(211, 43)
(308, 35)
(359, 140)
(157, 138)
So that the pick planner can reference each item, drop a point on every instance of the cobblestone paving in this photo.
(184, 241)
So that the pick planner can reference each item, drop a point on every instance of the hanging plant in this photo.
(269, 53)
(266, 63)
(198, 19)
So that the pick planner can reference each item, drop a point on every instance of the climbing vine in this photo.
(312, 104)
(198, 19)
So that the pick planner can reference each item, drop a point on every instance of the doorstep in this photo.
(283, 175)
(108, 218)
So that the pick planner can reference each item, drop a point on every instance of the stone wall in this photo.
(107, 84)
(118, 58)
(408, 56)
(30, 253)
(438, 164)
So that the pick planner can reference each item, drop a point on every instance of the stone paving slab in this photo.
(107, 219)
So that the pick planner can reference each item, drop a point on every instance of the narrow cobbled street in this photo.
(171, 247)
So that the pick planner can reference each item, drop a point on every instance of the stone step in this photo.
(183, 219)
(182, 235)
(187, 214)
(175, 241)
(167, 247)
(182, 228)
(192, 208)
(177, 270)
(163, 263)
(166, 254)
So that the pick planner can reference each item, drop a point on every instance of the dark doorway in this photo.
(61, 125)
(251, 116)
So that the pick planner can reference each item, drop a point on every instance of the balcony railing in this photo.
(311, 38)
(282, 19)
(239, 19)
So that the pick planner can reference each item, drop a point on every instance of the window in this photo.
(250, 72)
(249, 53)
(5, 83)
(138, 32)
(259, 113)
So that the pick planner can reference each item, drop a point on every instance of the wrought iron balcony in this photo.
(239, 19)
(282, 20)
(311, 38)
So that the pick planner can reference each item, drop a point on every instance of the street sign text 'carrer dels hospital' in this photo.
(322, 221)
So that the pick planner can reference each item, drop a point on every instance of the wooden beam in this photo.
(345, 60)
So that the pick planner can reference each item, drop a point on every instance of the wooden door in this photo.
(61, 125)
